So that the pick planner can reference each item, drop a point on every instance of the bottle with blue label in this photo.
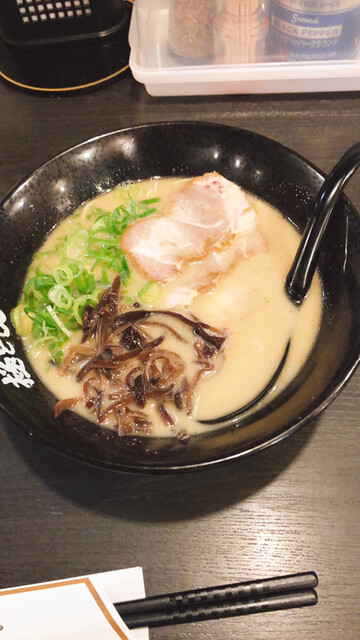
(314, 29)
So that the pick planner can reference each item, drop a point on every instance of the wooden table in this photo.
(290, 508)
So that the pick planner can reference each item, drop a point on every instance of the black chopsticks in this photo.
(242, 598)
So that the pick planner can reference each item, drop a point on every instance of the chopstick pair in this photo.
(239, 599)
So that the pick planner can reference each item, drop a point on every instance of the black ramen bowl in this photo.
(259, 165)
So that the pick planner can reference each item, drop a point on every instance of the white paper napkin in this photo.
(74, 608)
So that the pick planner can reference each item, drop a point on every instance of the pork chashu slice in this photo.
(205, 215)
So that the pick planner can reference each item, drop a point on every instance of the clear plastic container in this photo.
(202, 47)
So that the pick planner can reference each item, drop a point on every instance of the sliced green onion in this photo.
(119, 220)
(38, 286)
(58, 356)
(85, 282)
(17, 318)
(59, 322)
(105, 277)
(42, 318)
(60, 297)
(80, 304)
(97, 212)
(30, 290)
(75, 266)
(75, 247)
(52, 304)
(147, 213)
(63, 275)
(149, 201)
(149, 293)
(40, 342)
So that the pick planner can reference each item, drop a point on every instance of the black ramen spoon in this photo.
(303, 268)
(302, 271)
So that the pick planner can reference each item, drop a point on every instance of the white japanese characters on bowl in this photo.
(12, 369)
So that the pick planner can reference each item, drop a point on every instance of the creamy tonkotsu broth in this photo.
(244, 302)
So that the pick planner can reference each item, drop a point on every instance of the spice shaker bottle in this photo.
(191, 32)
(314, 30)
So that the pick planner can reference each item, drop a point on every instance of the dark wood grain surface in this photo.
(293, 507)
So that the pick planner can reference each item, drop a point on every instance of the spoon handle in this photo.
(303, 268)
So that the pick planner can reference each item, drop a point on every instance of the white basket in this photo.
(164, 74)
